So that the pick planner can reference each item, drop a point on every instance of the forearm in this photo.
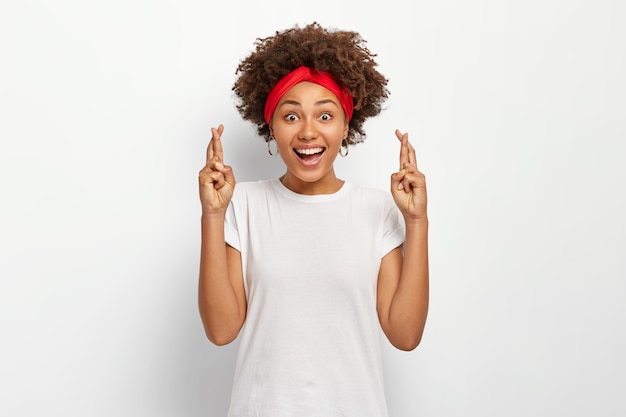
(219, 305)
(409, 306)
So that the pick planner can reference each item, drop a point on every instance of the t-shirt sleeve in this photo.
(393, 227)
(231, 231)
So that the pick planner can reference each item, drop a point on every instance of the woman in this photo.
(313, 265)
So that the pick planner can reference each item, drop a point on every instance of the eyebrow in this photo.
(317, 103)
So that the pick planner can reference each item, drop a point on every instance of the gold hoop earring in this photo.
(344, 145)
(269, 149)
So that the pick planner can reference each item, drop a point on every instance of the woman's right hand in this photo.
(217, 181)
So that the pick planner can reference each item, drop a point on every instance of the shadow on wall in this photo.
(212, 377)
(189, 376)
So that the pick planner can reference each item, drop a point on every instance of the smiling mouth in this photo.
(309, 154)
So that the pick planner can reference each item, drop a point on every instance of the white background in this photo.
(517, 111)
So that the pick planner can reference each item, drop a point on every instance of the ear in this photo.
(346, 129)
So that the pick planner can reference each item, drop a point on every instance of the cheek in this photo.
(335, 136)
(333, 130)
(283, 145)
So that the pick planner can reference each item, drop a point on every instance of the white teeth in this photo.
(309, 151)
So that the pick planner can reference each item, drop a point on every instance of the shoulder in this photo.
(250, 193)
(378, 203)
(251, 188)
(371, 195)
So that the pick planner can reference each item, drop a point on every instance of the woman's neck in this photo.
(329, 184)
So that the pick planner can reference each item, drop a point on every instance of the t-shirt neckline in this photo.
(317, 198)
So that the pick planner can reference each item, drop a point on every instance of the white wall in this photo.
(517, 112)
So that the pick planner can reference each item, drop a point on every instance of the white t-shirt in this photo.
(310, 345)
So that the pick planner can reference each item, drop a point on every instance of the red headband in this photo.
(307, 74)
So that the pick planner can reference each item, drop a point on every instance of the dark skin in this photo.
(402, 294)
(402, 302)
(344, 54)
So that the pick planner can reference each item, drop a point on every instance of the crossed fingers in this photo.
(214, 168)
(215, 152)
(408, 162)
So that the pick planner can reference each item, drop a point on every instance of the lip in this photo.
(311, 146)
(311, 162)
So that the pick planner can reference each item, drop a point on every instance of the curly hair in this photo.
(341, 53)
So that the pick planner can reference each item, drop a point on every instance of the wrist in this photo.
(416, 222)
(213, 216)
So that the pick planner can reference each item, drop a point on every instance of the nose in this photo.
(308, 130)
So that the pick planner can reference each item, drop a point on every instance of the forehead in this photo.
(306, 91)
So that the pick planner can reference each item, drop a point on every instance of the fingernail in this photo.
(219, 165)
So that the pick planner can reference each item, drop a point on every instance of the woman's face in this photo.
(309, 125)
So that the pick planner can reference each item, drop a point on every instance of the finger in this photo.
(229, 177)
(406, 184)
(396, 181)
(212, 179)
(209, 153)
(217, 142)
(218, 180)
(408, 179)
(404, 150)
(216, 165)
(207, 175)
(412, 156)
(210, 150)
(414, 179)
(216, 169)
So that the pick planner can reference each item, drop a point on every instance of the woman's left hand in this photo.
(408, 186)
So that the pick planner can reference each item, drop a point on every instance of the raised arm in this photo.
(221, 295)
(403, 278)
